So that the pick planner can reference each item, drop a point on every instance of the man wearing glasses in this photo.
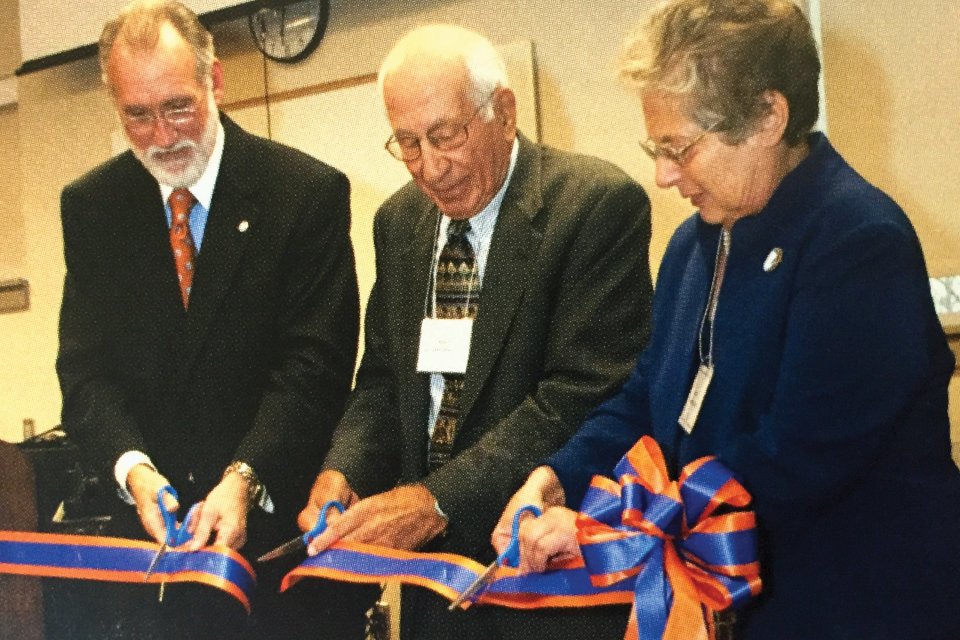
(512, 294)
(209, 324)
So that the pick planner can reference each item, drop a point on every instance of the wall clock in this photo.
(289, 31)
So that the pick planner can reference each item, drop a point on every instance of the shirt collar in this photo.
(202, 189)
(497, 200)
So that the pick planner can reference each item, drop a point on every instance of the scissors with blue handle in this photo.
(176, 534)
(299, 544)
(510, 558)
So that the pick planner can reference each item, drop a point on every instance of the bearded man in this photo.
(209, 323)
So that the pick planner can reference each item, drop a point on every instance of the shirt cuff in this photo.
(122, 468)
(266, 502)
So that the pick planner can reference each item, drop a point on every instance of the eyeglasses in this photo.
(442, 137)
(143, 120)
(677, 156)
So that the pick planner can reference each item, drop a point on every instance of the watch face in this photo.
(290, 32)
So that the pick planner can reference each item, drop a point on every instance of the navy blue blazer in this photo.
(829, 401)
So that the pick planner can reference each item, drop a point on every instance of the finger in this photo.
(308, 517)
(552, 535)
(232, 536)
(546, 547)
(503, 531)
(191, 522)
(536, 544)
(170, 503)
(153, 521)
(206, 520)
(527, 541)
(561, 559)
(499, 540)
(338, 526)
(326, 487)
(153, 524)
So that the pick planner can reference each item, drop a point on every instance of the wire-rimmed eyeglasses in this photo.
(677, 156)
(443, 137)
(143, 120)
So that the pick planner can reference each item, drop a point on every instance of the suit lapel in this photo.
(232, 212)
(507, 271)
(417, 256)
(145, 237)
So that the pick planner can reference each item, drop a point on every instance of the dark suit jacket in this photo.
(260, 366)
(829, 401)
(563, 312)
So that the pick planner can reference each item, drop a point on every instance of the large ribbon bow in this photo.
(685, 559)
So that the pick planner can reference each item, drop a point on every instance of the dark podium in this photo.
(68, 499)
(21, 601)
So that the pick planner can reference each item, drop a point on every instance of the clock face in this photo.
(290, 32)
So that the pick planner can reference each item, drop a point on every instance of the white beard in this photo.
(187, 176)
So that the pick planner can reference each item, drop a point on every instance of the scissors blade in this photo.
(481, 582)
(153, 563)
(297, 545)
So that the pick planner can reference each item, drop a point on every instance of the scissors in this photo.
(510, 557)
(176, 534)
(299, 544)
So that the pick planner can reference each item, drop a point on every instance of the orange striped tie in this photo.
(181, 241)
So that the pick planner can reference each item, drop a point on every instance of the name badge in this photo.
(444, 345)
(688, 417)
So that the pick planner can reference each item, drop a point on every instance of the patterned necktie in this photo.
(457, 293)
(181, 201)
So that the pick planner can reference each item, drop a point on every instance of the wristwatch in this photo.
(255, 488)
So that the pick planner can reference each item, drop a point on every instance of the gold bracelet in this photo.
(254, 486)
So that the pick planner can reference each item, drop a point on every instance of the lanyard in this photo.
(710, 314)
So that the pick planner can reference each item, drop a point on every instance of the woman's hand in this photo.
(552, 536)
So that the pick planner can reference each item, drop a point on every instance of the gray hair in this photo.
(721, 56)
(485, 67)
(138, 25)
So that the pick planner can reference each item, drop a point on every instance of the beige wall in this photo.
(892, 96)
(891, 107)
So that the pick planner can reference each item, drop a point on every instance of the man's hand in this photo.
(541, 539)
(402, 518)
(223, 512)
(329, 485)
(144, 483)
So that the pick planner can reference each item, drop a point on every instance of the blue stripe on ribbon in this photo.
(436, 570)
(657, 509)
(653, 596)
(371, 564)
(701, 486)
(562, 582)
(601, 505)
(76, 556)
(210, 563)
(618, 555)
(723, 549)
(48, 556)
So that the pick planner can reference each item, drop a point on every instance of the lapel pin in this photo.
(243, 226)
(773, 260)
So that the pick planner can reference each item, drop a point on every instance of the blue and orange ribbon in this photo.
(648, 541)
(49, 555)
(683, 559)
(448, 574)
(664, 546)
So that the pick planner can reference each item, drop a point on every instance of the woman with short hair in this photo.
(798, 297)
